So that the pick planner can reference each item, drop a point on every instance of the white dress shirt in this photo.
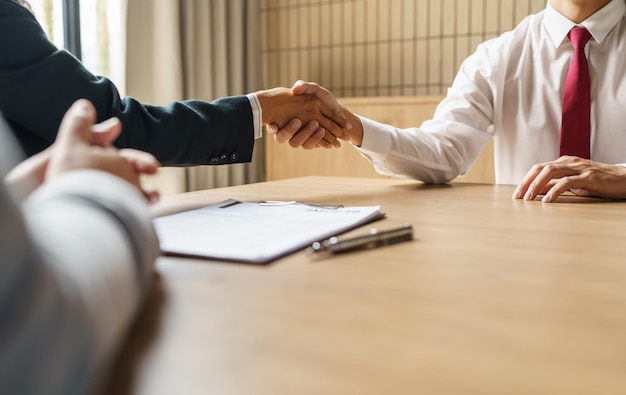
(511, 89)
(257, 115)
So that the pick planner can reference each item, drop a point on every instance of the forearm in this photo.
(191, 132)
(436, 153)
(50, 80)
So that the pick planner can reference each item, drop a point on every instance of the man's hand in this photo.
(310, 137)
(306, 115)
(582, 177)
(81, 144)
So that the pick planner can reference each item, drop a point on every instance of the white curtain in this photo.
(196, 49)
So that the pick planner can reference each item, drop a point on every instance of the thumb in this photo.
(105, 133)
(302, 87)
(76, 125)
(337, 113)
(272, 128)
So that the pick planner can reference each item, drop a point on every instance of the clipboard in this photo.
(251, 232)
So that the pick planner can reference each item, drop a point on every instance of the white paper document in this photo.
(253, 232)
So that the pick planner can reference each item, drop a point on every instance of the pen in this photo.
(374, 239)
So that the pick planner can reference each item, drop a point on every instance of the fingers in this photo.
(76, 124)
(582, 177)
(151, 194)
(142, 162)
(328, 141)
(331, 108)
(549, 185)
(81, 144)
(522, 187)
(563, 185)
(105, 133)
(596, 179)
(272, 128)
(282, 135)
(322, 138)
(334, 111)
(540, 178)
(333, 124)
(127, 164)
(307, 137)
(548, 172)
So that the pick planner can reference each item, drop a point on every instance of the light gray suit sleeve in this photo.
(75, 264)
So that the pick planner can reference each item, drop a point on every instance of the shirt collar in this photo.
(599, 24)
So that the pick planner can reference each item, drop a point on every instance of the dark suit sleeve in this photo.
(39, 82)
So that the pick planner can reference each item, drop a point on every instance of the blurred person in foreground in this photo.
(77, 249)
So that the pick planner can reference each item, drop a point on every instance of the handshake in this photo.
(308, 116)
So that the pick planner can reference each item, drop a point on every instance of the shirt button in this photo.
(234, 157)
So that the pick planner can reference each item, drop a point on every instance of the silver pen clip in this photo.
(374, 239)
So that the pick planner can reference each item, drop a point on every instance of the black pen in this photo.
(374, 239)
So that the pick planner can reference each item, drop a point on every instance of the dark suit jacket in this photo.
(39, 82)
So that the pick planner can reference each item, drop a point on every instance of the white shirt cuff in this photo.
(376, 138)
(257, 115)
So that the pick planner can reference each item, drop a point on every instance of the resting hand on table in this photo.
(582, 177)
(82, 144)
(310, 132)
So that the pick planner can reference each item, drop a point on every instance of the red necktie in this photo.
(576, 122)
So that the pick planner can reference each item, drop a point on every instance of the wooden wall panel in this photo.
(380, 47)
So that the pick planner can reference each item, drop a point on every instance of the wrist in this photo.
(268, 101)
(356, 133)
(263, 98)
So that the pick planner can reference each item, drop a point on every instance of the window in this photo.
(91, 29)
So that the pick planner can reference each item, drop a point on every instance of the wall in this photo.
(380, 47)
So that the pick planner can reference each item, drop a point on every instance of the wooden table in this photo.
(494, 296)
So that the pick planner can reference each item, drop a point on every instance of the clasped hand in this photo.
(307, 116)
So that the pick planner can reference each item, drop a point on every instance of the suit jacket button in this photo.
(214, 160)
(223, 157)
(234, 157)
